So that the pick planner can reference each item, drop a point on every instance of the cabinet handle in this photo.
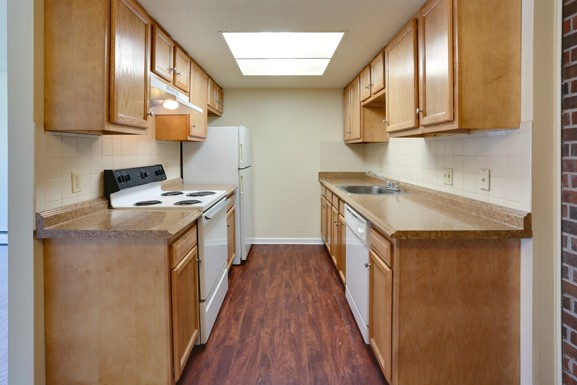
(150, 114)
(172, 69)
(179, 74)
(198, 260)
(419, 110)
(367, 265)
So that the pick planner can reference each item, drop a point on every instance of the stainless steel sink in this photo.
(372, 190)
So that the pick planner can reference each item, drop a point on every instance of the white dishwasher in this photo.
(357, 279)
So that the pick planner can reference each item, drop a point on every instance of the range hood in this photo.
(167, 100)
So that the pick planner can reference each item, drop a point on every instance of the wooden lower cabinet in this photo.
(231, 229)
(325, 207)
(334, 235)
(380, 312)
(333, 230)
(119, 311)
(445, 311)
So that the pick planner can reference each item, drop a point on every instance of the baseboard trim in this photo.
(3, 237)
(287, 241)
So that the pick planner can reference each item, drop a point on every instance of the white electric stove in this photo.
(140, 188)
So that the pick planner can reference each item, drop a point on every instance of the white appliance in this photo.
(140, 188)
(357, 279)
(225, 158)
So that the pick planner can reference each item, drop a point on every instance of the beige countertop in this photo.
(93, 218)
(420, 213)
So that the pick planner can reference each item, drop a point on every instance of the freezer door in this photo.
(244, 147)
(245, 193)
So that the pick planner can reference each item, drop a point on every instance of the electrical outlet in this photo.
(485, 179)
(448, 176)
(75, 179)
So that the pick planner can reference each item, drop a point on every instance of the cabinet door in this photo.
(185, 308)
(129, 69)
(199, 97)
(436, 62)
(342, 258)
(402, 83)
(380, 312)
(181, 75)
(378, 73)
(365, 78)
(334, 235)
(347, 113)
(324, 220)
(355, 110)
(219, 99)
(231, 234)
(162, 54)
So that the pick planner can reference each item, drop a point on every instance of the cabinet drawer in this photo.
(381, 247)
(182, 246)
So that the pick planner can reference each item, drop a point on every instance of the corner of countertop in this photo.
(49, 218)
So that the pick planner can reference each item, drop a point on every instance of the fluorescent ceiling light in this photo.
(283, 67)
(282, 53)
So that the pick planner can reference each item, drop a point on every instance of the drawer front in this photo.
(182, 246)
(382, 247)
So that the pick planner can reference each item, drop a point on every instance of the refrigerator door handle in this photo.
(241, 154)
(241, 184)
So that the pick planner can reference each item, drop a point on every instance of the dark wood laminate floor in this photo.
(285, 320)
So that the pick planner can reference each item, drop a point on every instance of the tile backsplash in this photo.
(421, 161)
(60, 154)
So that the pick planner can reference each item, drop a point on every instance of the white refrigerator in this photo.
(225, 158)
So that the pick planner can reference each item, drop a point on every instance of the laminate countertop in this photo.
(421, 213)
(93, 218)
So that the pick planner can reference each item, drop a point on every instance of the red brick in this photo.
(573, 244)
(569, 9)
(568, 196)
(568, 380)
(569, 134)
(565, 364)
(566, 303)
(573, 179)
(570, 289)
(569, 258)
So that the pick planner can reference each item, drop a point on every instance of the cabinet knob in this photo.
(367, 265)
(172, 69)
(179, 74)
(419, 110)
(150, 114)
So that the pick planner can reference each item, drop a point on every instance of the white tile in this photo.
(497, 187)
(69, 146)
(52, 145)
(96, 146)
(117, 145)
(52, 191)
(69, 201)
(52, 205)
(66, 186)
(107, 146)
(514, 190)
(84, 146)
(69, 164)
(126, 143)
(107, 163)
(84, 166)
(52, 169)
(469, 146)
(96, 164)
(458, 146)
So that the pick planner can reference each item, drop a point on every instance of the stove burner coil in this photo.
(187, 202)
(171, 193)
(148, 203)
(200, 193)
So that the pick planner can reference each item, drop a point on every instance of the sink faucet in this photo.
(392, 185)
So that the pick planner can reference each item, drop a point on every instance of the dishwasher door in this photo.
(357, 279)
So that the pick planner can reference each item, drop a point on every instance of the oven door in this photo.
(213, 247)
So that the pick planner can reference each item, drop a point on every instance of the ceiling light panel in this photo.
(283, 67)
(283, 45)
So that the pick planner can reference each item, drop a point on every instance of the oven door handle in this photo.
(215, 209)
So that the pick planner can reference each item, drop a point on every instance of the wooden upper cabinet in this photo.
(96, 66)
(181, 73)
(436, 62)
(469, 71)
(378, 74)
(365, 78)
(199, 97)
(402, 85)
(215, 98)
(129, 75)
(352, 112)
(162, 62)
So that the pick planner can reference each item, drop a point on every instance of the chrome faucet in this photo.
(389, 185)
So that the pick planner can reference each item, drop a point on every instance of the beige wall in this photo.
(288, 128)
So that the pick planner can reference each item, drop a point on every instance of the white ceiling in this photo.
(197, 25)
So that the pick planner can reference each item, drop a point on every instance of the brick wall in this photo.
(569, 193)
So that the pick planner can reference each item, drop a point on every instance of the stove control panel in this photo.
(120, 179)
